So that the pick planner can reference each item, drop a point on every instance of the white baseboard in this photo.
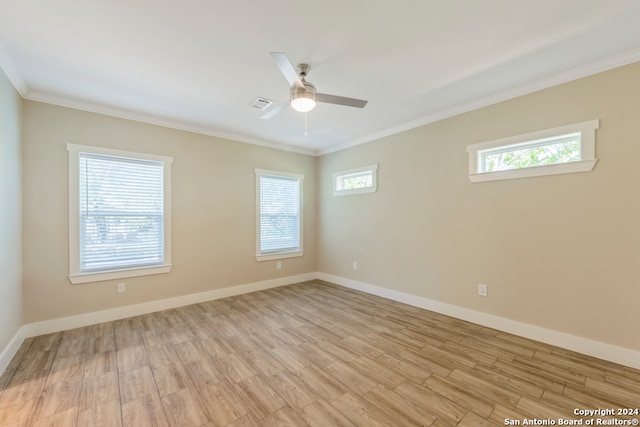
(11, 348)
(582, 345)
(80, 320)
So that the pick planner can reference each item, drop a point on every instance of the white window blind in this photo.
(279, 219)
(121, 203)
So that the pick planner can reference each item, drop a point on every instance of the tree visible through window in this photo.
(279, 218)
(119, 214)
(359, 180)
(539, 154)
(564, 149)
(354, 181)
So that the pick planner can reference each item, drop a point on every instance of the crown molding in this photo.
(120, 113)
(572, 74)
(575, 73)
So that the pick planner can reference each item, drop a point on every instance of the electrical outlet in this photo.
(483, 290)
(355, 265)
(121, 288)
(278, 265)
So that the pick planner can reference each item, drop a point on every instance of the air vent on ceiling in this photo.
(261, 103)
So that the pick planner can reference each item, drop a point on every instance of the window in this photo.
(565, 149)
(279, 215)
(120, 210)
(354, 181)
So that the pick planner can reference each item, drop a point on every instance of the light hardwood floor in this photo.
(307, 354)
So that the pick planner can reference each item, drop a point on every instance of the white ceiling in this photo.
(198, 64)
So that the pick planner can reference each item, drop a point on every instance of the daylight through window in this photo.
(564, 149)
(551, 151)
(279, 216)
(119, 215)
(354, 181)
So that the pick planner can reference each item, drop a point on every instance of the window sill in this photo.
(281, 255)
(119, 274)
(573, 167)
(354, 191)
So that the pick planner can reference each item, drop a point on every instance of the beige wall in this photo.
(560, 252)
(213, 211)
(10, 213)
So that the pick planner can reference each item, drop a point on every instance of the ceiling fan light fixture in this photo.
(303, 104)
(303, 99)
(303, 96)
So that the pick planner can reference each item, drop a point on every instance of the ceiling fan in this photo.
(303, 95)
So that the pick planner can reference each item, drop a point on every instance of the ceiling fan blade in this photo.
(275, 110)
(289, 71)
(340, 100)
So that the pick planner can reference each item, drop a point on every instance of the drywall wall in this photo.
(213, 211)
(10, 212)
(559, 252)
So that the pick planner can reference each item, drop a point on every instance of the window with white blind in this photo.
(119, 204)
(279, 215)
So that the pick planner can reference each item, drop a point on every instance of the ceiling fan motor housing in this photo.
(308, 91)
(303, 70)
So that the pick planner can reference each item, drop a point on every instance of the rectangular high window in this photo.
(544, 152)
(119, 214)
(565, 149)
(279, 215)
(355, 181)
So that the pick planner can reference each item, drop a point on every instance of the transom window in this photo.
(549, 151)
(559, 150)
(354, 181)
(118, 214)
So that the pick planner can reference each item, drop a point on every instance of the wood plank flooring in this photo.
(306, 354)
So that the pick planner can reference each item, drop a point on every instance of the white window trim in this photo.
(585, 164)
(374, 181)
(286, 254)
(75, 276)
